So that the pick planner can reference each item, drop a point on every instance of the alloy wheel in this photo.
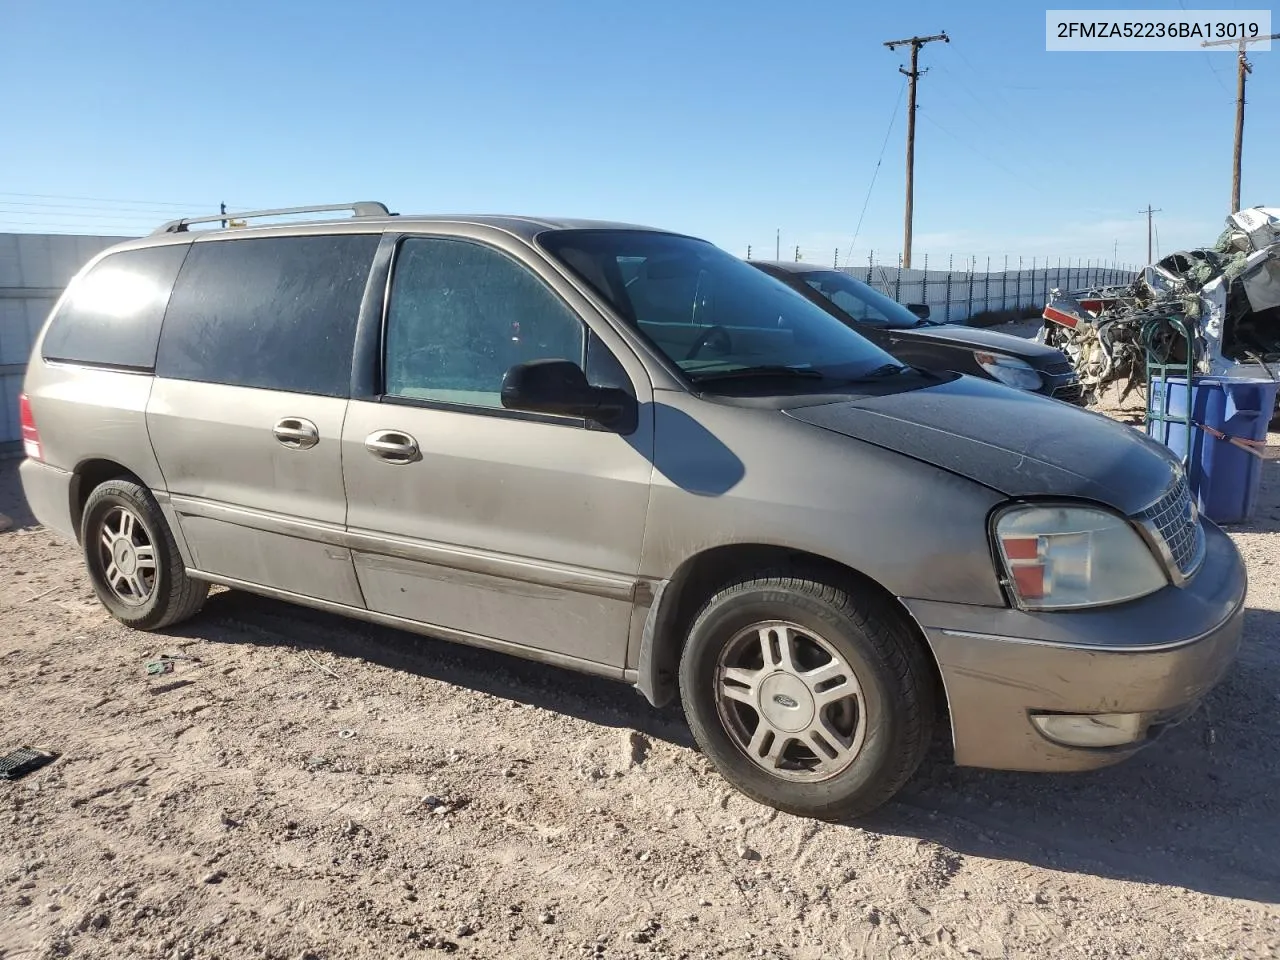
(128, 556)
(790, 701)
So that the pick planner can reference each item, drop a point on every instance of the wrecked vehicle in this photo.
(625, 451)
(1222, 303)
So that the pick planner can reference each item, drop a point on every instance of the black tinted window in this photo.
(112, 314)
(277, 312)
(461, 315)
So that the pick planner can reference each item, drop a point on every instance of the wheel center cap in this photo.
(786, 702)
(125, 558)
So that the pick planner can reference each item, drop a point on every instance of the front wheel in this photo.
(807, 696)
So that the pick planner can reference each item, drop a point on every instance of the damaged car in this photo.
(624, 451)
(1221, 304)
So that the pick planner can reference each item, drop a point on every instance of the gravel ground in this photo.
(306, 786)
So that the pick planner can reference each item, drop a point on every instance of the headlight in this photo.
(1008, 370)
(1065, 556)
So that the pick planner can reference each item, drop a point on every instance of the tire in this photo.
(151, 588)
(891, 701)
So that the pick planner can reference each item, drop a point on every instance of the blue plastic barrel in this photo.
(1223, 478)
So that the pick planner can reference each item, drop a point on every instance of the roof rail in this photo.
(362, 208)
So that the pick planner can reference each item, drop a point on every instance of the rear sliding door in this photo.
(253, 374)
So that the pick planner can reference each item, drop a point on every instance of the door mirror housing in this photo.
(921, 310)
(560, 387)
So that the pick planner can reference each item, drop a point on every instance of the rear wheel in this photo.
(807, 696)
(132, 559)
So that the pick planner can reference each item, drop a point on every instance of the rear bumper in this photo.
(1155, 657)
(48, 493)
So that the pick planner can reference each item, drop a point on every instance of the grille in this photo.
(1175, 520)
(1058, 366)
(1070, 393)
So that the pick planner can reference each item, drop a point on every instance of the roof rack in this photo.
(362, 208)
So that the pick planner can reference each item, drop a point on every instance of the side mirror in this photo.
(921, 310)
(560, 387)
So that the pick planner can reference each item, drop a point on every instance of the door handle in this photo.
(392, 446)
(296, 433)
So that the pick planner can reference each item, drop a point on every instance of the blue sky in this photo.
(725, 120)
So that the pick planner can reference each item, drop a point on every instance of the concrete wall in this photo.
(34, 269)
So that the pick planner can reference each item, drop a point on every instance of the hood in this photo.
(1014, 442)
(979, 339)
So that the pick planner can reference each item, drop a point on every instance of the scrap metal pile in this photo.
(1222, 303)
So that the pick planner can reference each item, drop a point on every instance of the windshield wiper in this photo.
(764, 370)
(884, 370)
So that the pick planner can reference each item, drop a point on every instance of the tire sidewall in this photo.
(100, 503)
(714, 628)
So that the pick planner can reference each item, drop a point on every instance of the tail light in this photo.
(30, 435)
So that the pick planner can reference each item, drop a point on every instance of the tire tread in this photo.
(183, 595)
(894, 642)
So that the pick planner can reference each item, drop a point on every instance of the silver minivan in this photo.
(624, 451)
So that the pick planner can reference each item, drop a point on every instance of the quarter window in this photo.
(111, 316)
(461, 315)
(277, 313)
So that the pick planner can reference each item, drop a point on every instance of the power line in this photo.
(76, 228)
(994, 87)
(991, 160)
(32, 206)
(150, 203)
(876, 172)
(56, 214)
(1209, 61)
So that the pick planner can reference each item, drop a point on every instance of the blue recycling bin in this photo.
(1224, 478)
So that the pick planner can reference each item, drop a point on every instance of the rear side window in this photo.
(111, 316)
(277, 313)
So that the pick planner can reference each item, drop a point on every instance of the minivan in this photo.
(625, 451)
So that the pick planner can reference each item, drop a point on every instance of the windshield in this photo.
(712, 314)
(861, 302)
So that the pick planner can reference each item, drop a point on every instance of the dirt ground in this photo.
(309, 787)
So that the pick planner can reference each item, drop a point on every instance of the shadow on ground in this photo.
(12, 503)
(1195, 811)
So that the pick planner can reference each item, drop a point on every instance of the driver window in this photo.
(461, 314)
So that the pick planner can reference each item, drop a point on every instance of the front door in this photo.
(252, 378)
(493, 524)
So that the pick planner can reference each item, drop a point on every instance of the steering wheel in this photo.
(725, 344)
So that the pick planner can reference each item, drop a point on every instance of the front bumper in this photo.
(1157, 657)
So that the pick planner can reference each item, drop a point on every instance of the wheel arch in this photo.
(677, 600)
(86, 477)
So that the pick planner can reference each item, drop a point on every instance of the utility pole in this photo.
(912, 75)
(1243, 67)
(777, 245)
(1149, 212)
